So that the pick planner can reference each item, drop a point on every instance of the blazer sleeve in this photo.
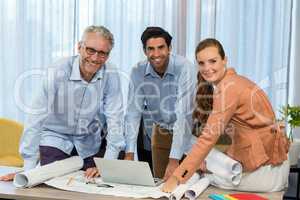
(225, 102)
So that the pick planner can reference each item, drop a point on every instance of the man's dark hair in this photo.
(155, 32)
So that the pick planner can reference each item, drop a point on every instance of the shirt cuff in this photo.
(176, 153)
(130, 147)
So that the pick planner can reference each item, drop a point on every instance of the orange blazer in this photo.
(257, 139)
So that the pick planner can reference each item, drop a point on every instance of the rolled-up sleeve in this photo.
(184, 108)
(133, 112)
(224, 107)
(30, 140)
(114, 113)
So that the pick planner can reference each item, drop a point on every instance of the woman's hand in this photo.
(8, 177)
(170, 184)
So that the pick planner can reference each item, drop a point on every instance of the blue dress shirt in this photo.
(167, 101)
(70, 112)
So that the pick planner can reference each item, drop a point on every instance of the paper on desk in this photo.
(77, 184)
(223, 166)
(122, 190)
(197, 188)
(41, 174)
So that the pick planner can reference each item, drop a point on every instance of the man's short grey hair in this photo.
(104, 32)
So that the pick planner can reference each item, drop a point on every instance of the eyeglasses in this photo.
(91, 51)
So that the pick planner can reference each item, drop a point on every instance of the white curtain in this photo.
(294, 72)
(35, 33)
(127, 19)
(256, 38)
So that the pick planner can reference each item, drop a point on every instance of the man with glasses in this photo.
(80, 98)
(161, 91)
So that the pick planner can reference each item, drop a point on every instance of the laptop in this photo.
(126, 172)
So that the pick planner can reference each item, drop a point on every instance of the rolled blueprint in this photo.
(41, 174)
(222, 165)
(196, 189)
(180, 190)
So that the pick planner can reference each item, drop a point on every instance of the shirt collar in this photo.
(99, 74)
(75, 73)
(170, 68)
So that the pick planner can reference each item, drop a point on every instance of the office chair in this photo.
(10, 134)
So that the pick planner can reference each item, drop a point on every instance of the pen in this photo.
(105, 185)
(184, 173)
(70, 180)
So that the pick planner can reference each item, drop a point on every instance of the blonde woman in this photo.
(258, 142)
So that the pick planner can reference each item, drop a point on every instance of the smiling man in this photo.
(80, 96)
(160, 93)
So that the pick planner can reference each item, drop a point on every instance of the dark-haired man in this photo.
(160, 92)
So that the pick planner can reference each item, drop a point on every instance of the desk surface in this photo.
(44, 192)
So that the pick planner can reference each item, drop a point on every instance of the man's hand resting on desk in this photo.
(8, 177)
(172, 182)
(172, 165)
(91, 172)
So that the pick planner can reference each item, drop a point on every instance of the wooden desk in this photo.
(44, 192)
